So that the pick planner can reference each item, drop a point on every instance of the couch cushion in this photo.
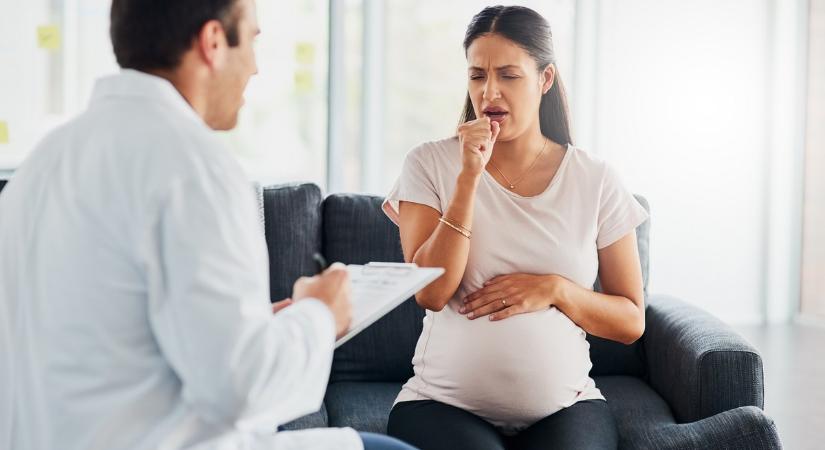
(364, 406)
(357, 232)
(633, 401)
(292, 222)
(318, 419)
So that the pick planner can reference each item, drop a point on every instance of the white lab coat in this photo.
(134, 294)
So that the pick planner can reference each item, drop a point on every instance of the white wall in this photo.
(684, 105)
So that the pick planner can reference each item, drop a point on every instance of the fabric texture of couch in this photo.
(690, 382)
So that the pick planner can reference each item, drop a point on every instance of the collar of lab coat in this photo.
(134, 83)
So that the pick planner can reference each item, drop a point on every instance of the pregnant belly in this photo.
(513, 372)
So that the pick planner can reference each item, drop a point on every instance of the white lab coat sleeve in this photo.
(208, 273)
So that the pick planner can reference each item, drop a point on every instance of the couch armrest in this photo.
(699, 365)
(745, 428)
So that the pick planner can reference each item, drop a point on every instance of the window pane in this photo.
(281, 134)
(813, 237)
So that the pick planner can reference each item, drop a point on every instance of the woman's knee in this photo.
(435, 426)
(584, 425)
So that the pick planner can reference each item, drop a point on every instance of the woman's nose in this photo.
(491, 89)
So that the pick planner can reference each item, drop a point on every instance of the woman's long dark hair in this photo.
(530, 31)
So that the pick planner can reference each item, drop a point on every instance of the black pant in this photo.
(430, 425)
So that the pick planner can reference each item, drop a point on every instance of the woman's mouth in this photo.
(496, 114)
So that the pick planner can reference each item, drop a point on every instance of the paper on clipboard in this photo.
(377, 288)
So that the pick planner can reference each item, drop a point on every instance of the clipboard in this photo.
(377, 288)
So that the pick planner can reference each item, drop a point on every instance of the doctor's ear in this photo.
(548, 77)
(211, 43)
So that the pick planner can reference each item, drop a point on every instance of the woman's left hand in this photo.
(507, 295)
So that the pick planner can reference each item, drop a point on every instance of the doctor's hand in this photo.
(508, 295)
(332, 288)
(477, 138)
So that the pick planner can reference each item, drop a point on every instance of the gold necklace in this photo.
(513, 184)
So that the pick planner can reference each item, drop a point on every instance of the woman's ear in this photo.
(549, 77)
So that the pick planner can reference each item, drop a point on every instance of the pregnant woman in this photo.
(524, 223)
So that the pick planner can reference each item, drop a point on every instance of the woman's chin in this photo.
(504, 136)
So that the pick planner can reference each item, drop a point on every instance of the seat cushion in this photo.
(633, 402)
(292, 223)
(356, 231)
(364, 406)
(317, 419)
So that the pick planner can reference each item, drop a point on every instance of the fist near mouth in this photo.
(477, 138)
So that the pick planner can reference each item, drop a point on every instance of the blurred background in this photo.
(712, 109)
(708, 108)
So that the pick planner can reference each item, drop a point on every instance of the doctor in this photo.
(134, 310)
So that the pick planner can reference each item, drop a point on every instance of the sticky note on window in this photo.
(303, 81)
(4, 132)
(48, 37)
(304, 53)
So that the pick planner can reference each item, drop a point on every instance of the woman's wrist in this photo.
(468, 179)
(556, 290)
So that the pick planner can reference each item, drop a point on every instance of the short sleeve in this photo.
(619, 212)
(416, 184)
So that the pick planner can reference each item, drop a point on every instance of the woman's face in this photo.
(505, 84)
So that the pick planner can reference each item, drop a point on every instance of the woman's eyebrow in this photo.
(500, 68)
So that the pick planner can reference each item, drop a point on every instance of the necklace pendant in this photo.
(512, 187)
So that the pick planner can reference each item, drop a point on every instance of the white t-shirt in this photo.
(519, 370)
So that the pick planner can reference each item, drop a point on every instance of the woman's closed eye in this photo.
(506, 77)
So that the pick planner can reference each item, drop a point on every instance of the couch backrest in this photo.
(352, 229)
(292, 223)
(356, 231)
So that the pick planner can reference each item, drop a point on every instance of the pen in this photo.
(320, 261)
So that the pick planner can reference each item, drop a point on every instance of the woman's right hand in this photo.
(477, 138)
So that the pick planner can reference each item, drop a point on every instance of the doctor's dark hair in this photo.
(154, 34)
(527, 29)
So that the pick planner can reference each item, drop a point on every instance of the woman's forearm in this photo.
(611, 317)
(447, 247)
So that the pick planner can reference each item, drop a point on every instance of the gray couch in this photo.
(691, 382)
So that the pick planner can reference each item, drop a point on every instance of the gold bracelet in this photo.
(461, 230)
(453, 222)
